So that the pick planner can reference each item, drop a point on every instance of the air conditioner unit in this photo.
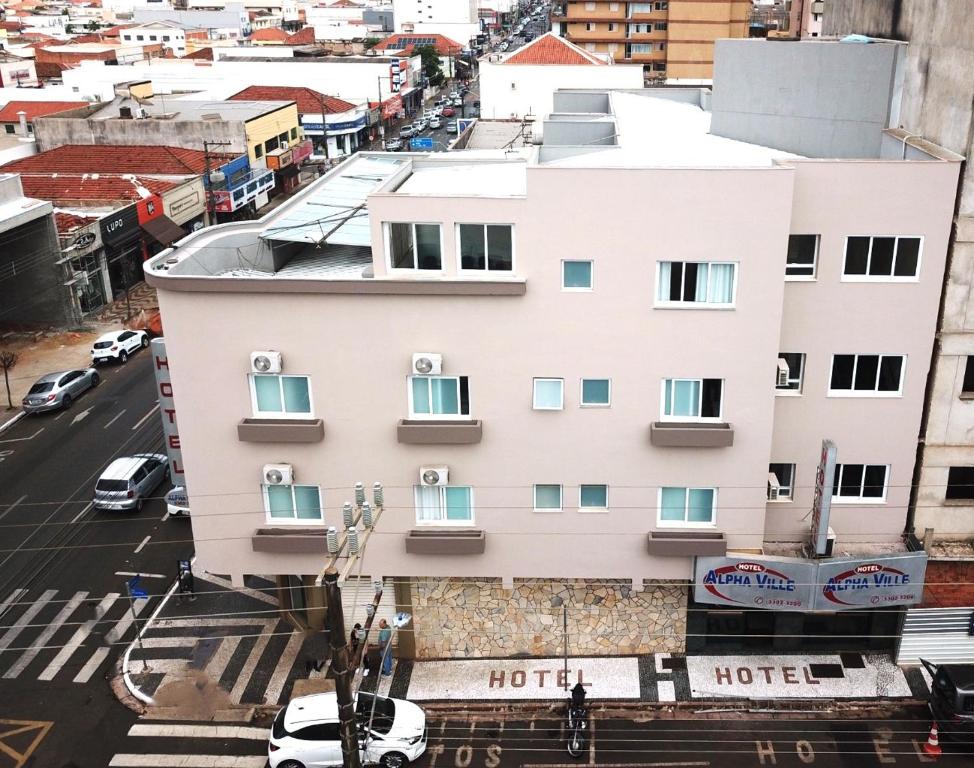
(140, 113)
(265, 362)
(774, 487)
(434, 475)
(427, 363)
(278, 474)
(829, 543)
(784, 372)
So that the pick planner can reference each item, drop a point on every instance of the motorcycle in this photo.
(577, 723)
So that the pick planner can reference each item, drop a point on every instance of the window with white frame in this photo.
(692, 399)
(589, 46)
(549, 394)
(590, 6)
(547, 497)
(486, 247)
(414, 246)
(802, 257)
(279, 395)
(592, 498)
(696, 283)
(663, 5)
(439, 397)
(444, 504)
(613, 6)
(781, 482)
(882, 258)
(589, 26)
(293, 503)
(640, 29)
(789, 373)
(596, 393)
(867, 375)
(860, 482)
(612, 27)
(687, 506)
(640, 8)
(641, 48)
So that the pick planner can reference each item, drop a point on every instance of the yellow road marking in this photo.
(23, 726)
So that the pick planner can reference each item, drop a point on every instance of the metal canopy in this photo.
(334, 210)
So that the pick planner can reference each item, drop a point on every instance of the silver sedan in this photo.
(57, 390)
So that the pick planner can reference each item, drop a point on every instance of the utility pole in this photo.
(341, 670)
(324, 124)
(382, 128)
(208, 184)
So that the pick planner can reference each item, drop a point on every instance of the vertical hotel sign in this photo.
(167, 409)
(822, 501)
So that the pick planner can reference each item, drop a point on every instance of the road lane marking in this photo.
(81, 416)
(176, 730)
(23, 439)
(115, 418)
(117, 632)
(11, 506)
(144, 575)
(42, 639)
(276, 684)
(145, 418)
(91, 665)
(181, 761)
(243, 678)
(165, 516)
(82, 513)
(80, 635)
(28, 616)
(11, 599)
(140, 547)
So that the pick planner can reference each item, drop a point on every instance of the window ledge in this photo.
(959, 502)
(787, 393)
(446, 541)
(292, 540)
(675, 434)
(686, 543)
(446, 432)
(966, 396)
(280, 430)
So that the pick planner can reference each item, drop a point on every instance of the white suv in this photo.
(118, 345)
(305, 733)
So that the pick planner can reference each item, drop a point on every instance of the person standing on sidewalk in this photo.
(385, 643)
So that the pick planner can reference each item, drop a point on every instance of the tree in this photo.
(8, 360)
(431, 65)
(370, 42)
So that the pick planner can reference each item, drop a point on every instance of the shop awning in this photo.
(164, 230)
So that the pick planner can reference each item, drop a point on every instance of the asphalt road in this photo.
(59, 558)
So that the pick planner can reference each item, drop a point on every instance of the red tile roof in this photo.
(552, 49)
(49, 69)
(35, 109)
(304, 36)
(345, 4)
(89, 187)
(11, 26)
(269, 35)
(203, 54)
(68, 222)
(126, 158)
(307, 99)
(401, 42)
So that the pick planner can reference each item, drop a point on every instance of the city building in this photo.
(449, 51)
(229, 22)
(171, 35)
(18, 117)
(620, 416)
(672, 39)
(17, 71)
(455, 19)
(73, 54)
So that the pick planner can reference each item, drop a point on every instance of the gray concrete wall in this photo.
(579, 133)
(32, 292)
(814, 98)
(53, 132)
(580, 101)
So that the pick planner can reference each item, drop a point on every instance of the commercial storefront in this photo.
(90, 284)
(347, 132)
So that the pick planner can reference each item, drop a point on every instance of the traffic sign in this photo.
(422, 142)
(134, 589)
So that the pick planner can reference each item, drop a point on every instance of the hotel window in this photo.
(781, 482)
(789, 373)
(292, 503)
(414, 246)
(576, 275)
(802, 257)
(486, 247)
(547, 498)
(549, 394)
(859, 482)
(687, 506)
(444, 504)
(967, 388)
(696, 283)
(882, 258)
(278, 395)
(443, 397)
(593, 498)
(692, 399)
(960, 484)
(596, 393)
(867, 375)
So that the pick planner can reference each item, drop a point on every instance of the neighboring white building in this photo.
(456, 19)
(516, 84)
(17, 72)
(229, 23)
(171, 35)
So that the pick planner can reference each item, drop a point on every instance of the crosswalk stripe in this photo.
(185, 731)
(18, 626)
(187, 761)
(77, 638)
(91, 665)
(227, 584)
(117, 632)
(42, 639)
(13, 598)
(248, 668)
(220, 660)
(279, 678)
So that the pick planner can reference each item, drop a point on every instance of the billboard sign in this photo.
(880, 582)
(822, 500)
(167, 409)
(752, 581)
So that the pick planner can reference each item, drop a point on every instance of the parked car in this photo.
(451, 127)
(420, 125)
(952, 698)
(126, 482)
(118, 345)
(449, 111)
(394, 145)
(177, 502)
(454, 95)
(458, 102)
(305, 732)
(436, 123)
(56, 390)
(405, 131)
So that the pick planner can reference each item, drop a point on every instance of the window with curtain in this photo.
(438, 396)
(414, 246)
(444, 504)
(692, 399)
(279, 395)
(486, 247)
(547, 498)
(549, 394)
(687, 506)
(293, 503)
(696, 283)
(863, 482)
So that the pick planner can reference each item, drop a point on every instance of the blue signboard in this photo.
(424, 142)
(358, 122)
(462, 125)
(134, 588)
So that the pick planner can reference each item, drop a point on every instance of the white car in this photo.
(305, 733)
(435, 123)
(118, 345)
(177, 502)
